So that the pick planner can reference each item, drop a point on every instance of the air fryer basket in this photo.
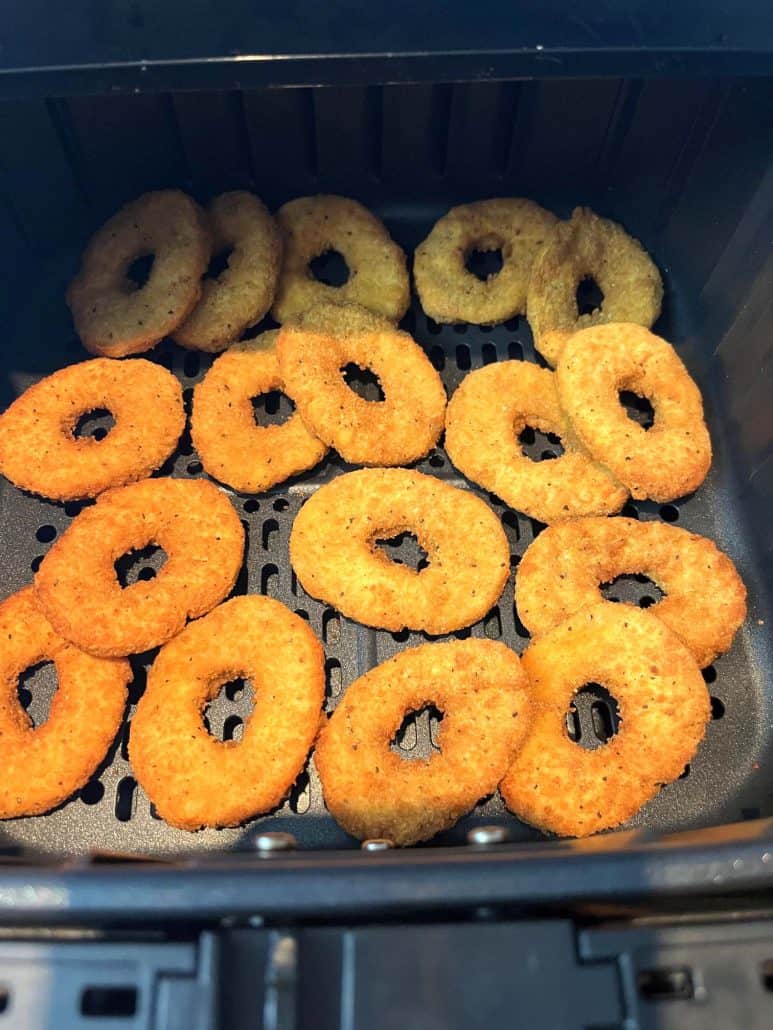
(643, 152)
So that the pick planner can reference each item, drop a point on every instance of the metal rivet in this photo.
(274, 841)
(377, 844)
(485, 835)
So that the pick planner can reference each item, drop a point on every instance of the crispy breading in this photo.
(77, 586)
(312, 226)
(195, 780)
(45, 765)
(485, 417)
(588, 246)
(335, 556)
(564, 788)
(449, 292)
(39, 451)
(112, 316)
(397, 430)
(666, 461)
(242, 294)
(563, 570)
(480, 688)
(232, 447)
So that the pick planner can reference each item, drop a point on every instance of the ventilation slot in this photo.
(124, 799)
(269, 533)
(674, 984)
(331, 627)
(109, 1002)
(333, 677)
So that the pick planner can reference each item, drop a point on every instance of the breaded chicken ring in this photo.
(242, 294)
(561, 787)
(371, 791)
(232, 448)
(449, 292)
(485, 416)
(44, 765)
(398, 430)
(668, 460)
(312, 226)
(333, 549)
(77, 586)
(589, 246)
(563, 569)
(112, 316)
(39, 451)
(195, 780)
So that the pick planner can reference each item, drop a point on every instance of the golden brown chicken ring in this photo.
(563, 570)
(44, 765)
(242, 294)
(312, 226)
(564, 788)
(38, 447)
(115, 318)
(232, 447)
(397, 430)
(449, 292)
(673, 456)
(481, 690)
(195, 780)
(77, 586)
(588, 246)
(334, 552)
(485, 417)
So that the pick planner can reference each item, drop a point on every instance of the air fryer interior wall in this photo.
(685, 165)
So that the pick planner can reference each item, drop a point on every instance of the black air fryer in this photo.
(657, 115)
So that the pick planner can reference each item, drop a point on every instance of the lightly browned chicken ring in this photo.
(195, 780)
(563, 570)
(397, 430)
(38, 447)
(233, 449)
(449, 292)
(480, 688)
(673, 456)
(594, 247)
(485, 417)
(44, 765)
(564, 788)
(313, 226)
(242, 294)
(78, 588)
(114, 317)
(334, 552)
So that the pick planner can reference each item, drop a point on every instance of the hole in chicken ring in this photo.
(563, 570)
(195, 780)
(113, 316)
(561, 787)
(481, 690)
(337, 531)
(77, 584)
(486, 415)
(673, 456)
(39, 448)
(44, 765)
(588, 246)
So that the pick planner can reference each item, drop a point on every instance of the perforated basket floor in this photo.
(727, 781)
